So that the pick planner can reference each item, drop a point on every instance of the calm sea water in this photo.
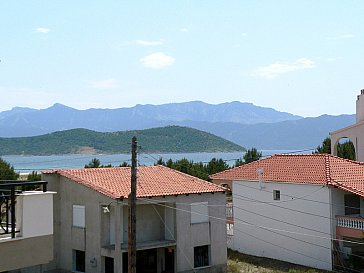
(25, 164)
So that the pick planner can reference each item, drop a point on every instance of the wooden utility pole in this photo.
(132, 210)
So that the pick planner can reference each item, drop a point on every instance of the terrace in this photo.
(26, 220)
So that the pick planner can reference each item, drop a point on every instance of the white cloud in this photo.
(273, 70)
(184, 29)
(342, 37)
(157, 60)
(43, 30)
(149, 43)
(244, 34)
(105, 84)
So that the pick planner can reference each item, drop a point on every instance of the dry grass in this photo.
(238, 263)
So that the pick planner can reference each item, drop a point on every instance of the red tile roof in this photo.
(151, 181)
(311, 169)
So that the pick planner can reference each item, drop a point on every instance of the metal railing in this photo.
(9, 189)
(350, 222)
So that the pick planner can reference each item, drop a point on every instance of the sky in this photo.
(302, 57)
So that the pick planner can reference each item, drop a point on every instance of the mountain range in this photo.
(243, 123)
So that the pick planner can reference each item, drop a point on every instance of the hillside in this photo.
(306, 133)
(170, 139)
(20, 122)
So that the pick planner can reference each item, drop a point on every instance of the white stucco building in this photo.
(178, 227)
(355, 132)
(303, 209)
(26, 222)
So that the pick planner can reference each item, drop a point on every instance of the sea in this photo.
(27, 164)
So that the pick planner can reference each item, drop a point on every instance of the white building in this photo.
(178, 227)
(26, 223)
(303, 209)
(355, 132)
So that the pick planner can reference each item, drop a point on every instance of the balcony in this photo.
(26, 220)
(349, 226)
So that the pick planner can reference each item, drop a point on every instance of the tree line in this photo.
(198, 169)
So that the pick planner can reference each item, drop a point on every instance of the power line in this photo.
(294, 197)
(264, 228)
(170, 233)
(254, 225)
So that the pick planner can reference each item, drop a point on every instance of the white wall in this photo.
(36, 213)
(264, 212)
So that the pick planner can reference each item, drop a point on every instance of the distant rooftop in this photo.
(151, 181)
(310, 169)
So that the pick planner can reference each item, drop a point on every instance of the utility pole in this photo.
(132, 210)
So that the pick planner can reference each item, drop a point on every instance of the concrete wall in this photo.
(149, 226)
(34, 216)
(35, 209)
(151, 222)
(212, 233)
(67, 237)
(250, 216)
(24, 252)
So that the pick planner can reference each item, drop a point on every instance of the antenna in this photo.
(260, 172)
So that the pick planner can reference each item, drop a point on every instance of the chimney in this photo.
(360, 107)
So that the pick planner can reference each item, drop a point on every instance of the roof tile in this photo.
(151, 181)
(312, 169)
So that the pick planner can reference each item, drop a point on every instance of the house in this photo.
(180, 224)
(303, 209)
(26, 223)
(354, 132)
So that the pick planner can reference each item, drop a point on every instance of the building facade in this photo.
(303, 209)
(354, 132)
(180, 221)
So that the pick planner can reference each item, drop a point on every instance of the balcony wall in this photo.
(33, 244)
(352, 227)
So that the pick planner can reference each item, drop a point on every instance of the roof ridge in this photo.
(327, 169)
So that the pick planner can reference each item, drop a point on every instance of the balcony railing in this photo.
(350, 222)
(9, 189)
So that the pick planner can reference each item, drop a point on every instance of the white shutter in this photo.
(199, 212)
(79, 216)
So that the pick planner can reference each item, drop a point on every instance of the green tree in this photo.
(325, 148)
(34, 176)
(344, 150)
(250, 155)
(216, 165)
(125, 164)
(160, 161)
(7, 171)
(94, 163)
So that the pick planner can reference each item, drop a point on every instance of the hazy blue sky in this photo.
(303, 57)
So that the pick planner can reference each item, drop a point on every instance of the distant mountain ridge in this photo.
(233, 121)
(29, 122)
(305, 133)
(170, 139)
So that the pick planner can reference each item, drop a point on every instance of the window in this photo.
(79, 263)
(201, 256)
(276, 195)
(109, 265)
(78, 216)
(199, 212)
(352, 204)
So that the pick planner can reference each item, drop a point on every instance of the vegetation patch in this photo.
(170, 139)
(238, 263)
